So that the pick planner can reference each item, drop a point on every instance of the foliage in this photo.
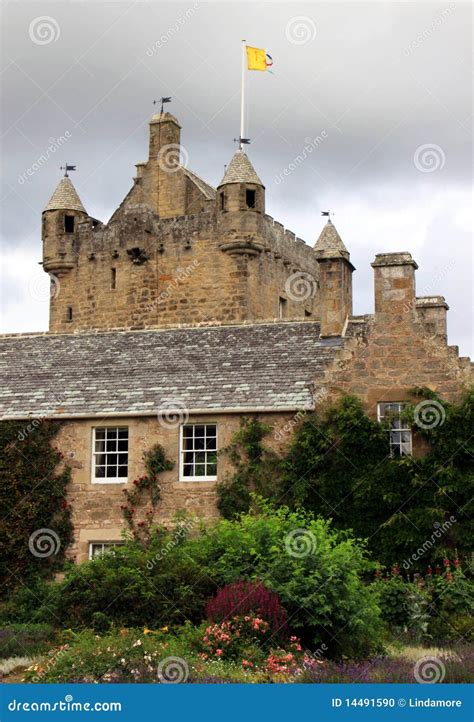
(256, 469)
(145, 487)
(315, 570)
(25, 639)
(134, 587)
(172, 580)
(32, 499)
(433, 607)
(244, 597)
(338, 466)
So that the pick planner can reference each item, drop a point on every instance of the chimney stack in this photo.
(432, 312)
(394, 277)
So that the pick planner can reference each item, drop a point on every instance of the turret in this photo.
(241, 206)
(60, 221)
(335, 281)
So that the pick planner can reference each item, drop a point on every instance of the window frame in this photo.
(111, 544)
(402, 429)
(104, 479)
(182, 451)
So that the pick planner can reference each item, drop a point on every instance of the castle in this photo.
(193, 307)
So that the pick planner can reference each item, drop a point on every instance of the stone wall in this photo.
(96, 507)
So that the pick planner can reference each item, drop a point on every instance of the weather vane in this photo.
(328, 214)
(162, 101)
(242, 141)
(66, 168)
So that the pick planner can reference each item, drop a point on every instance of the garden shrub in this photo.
(434, 607)
(315, 570)
(244, 597)
(23, 640)
(133, 588)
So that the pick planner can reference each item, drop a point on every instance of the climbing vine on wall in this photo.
(35, 528)
(256, 468)
(413, 510)
(141, 501)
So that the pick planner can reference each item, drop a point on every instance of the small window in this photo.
(69, 313)
(198, 452)
(98, 549)
(250, 198)
(307, 314)
(400, 433)
(69, 224)
(113, 278)
(222, 200)
(110, 455)
(282, 307)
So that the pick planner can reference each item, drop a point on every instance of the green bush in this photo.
(436, 607)
(133, 587)
(316, 571)
(23, 640)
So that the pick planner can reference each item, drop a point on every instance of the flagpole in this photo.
(242, 98)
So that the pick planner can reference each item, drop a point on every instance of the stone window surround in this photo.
(397, 430)
(199, 479)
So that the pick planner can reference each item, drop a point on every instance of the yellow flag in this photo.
(257, 59)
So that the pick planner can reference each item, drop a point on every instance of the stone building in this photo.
(192, 307)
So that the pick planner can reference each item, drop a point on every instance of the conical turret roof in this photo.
(240, 170)
(65, 198)
(330, 242)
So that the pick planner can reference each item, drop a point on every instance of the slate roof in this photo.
(330, 242)
(65, 198)
(240, 170)
(267, 366)
(206, 189)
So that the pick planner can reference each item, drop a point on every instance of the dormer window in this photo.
(69, 224)
(250, 198)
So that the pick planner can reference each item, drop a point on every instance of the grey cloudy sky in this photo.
(386, 85)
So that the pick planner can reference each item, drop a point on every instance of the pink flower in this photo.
(218, 652)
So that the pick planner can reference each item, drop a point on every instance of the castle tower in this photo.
(241, 207)
(335, 281)
(61, 217)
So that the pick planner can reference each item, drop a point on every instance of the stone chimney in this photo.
(164, 131)
(394, 278)
(335, 281)
(432, 312)
(163, 179)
